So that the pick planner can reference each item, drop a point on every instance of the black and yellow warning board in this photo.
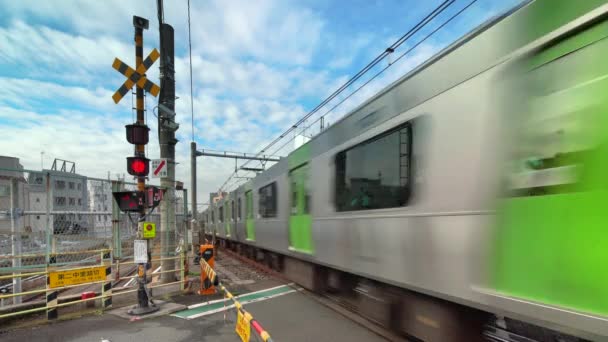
(77, 276)
(136, 76)
(149, 230)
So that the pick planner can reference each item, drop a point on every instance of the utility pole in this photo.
(166, 138)
(193, 186)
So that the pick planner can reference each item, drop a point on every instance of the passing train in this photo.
(475, 186)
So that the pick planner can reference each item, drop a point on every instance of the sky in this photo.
(257, 67)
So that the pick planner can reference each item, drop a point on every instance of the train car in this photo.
(472, 187)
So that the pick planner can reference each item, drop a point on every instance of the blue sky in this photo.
(258, 66)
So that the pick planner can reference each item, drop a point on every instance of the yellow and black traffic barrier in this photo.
(59, 280)
(208, 277)
(245, 319)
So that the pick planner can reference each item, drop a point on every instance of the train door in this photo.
(300, 220)
(552, 236)
(249, 218)
(227, 219)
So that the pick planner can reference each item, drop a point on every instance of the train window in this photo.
(220, 217)
(239, 209)
(375, 174)
(212, 216)
(268, 200)
(233, 209)
(559, 131)
(300, 192)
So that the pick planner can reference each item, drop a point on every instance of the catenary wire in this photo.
(438, 10)
(382, 70)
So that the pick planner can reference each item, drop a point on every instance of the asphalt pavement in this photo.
(287, 312)
(292, 316)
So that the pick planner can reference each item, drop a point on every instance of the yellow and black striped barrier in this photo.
(60, 279)
(244, 319)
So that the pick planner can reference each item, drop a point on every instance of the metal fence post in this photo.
(185, 217)
(117, 242)
(51, 299)
(15, 239)
(183, 262)
(106, 287)
(49, 229)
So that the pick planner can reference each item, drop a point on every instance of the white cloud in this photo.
(252, 66)
(275, 31)
(29, 93)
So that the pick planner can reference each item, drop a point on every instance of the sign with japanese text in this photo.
(243, 329)
(77, 276)
(159, 168)
(149, 230)
(140, 251)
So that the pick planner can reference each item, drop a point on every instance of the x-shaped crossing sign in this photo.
(136, 76)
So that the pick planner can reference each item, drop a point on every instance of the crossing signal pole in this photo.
(138, 165)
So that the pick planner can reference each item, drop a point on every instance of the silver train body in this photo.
(440, 241)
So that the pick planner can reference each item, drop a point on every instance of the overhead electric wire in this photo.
(373, 63)
(191, 87)
(382, 70)
(438, 10)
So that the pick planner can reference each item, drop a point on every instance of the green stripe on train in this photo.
(551, 244)
(300, 220)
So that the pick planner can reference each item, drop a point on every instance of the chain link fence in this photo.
(63, 220)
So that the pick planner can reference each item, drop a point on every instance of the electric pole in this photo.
(166, 138)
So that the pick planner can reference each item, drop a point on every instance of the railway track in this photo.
(334, 302)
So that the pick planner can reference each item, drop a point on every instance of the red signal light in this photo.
(138, 166)
(129, 200)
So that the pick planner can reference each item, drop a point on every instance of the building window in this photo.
(80, 201)
(37, 217)
(105, 218)
(37, 199)
(72, 201)
(105, 208)
(375, 174)
(71, 185)
(5, 190)
(268, 200)
(79, 186)
(59, 184)
(59, 200)
(98, 218)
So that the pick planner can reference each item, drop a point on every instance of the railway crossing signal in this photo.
(136, 77)
(138, 165)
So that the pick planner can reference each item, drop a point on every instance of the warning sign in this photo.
(77, 276)
(149, 230)
(159, 168)
(243, 329)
